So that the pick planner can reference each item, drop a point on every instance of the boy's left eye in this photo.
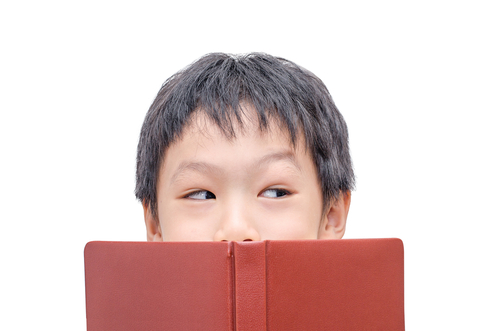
(274, 193)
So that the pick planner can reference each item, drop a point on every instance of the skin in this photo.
(256, 186)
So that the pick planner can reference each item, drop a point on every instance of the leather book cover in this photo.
(159, 286)
(267, 285)
(335, 285)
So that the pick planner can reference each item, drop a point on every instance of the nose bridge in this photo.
(236, 223)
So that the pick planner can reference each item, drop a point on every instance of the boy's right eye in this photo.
(201, 195)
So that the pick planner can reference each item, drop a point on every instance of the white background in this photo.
(417, 82)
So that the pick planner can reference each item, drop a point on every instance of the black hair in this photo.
(217, 84)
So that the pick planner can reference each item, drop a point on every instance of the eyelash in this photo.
(209, 195)
(279, 192)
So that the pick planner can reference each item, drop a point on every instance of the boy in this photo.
(244, 148)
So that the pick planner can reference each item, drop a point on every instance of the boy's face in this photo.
(253, 187)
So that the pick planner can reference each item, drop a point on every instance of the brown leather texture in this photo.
(349, 284)
(159, 286)
(335, 285)
(250, 285)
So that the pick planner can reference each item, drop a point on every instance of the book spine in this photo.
(250, 285)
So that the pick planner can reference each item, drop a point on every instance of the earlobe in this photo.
(334, 222)
(152, 224)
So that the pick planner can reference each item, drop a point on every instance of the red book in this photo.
(348, 284)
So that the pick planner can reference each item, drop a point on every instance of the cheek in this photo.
(294, 219)
(180, 222)
(181, 229)
(291, 228)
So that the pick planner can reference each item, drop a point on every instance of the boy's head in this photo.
(244, 148)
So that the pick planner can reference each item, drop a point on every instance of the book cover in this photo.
(349, 284)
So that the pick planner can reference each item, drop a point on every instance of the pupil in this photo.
(209, 195)
(280, 193)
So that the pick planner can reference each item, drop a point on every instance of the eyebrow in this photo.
(209, 168)
(275, 157)
(201, 167)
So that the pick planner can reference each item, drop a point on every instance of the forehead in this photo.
(204, 141)
(243, 122)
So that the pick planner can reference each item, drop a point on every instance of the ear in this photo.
(333, 224)
(152, 224)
